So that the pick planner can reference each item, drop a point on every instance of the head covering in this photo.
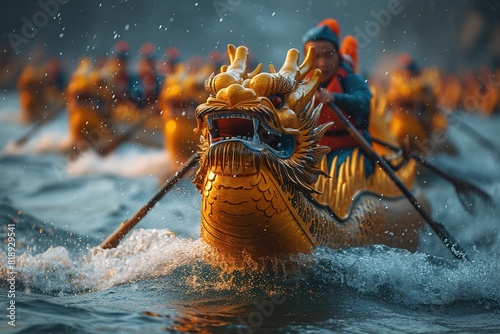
(332, 24)
(121, 50)
(147, 50)
(409, 63)
(349, 51)
(326, 30)
(172, 55)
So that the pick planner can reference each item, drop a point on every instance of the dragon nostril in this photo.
(235, 94)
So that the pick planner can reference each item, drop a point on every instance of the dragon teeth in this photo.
(255, 138)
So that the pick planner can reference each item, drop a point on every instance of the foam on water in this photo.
(145, 254)
(394, 275)
(412, 278)
(46, 142)
(128, 161)
(145, 162)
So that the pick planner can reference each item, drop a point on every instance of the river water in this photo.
(158, 279)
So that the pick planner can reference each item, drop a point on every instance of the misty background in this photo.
(450, 34)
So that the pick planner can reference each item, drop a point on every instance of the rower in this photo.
(339, 84)
(146, 89)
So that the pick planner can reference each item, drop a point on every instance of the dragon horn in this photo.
(308, 62)
(301, 97)
(255, 72)
(290, 66)
(231, 50)
(239, 60)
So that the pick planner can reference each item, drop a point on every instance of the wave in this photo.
(47, 142)
(411, 278)
(145, 254)
(130, 162)
(394, 275)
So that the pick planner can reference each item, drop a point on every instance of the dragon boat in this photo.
(97, 118)
(126, 114)
(169, 122)
(266, 189)
(89, 108)
(180, 93)
(413, 113)
(481, 93)
(41, 90)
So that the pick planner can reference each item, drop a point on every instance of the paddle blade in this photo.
(469, 196)
(117, 141)
(49, 116)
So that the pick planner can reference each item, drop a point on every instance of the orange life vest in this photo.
(337, 137)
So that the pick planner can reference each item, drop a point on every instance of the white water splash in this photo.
(53, 142)
(411, 278)
(145, 254)
(131, 163)
(394, 275)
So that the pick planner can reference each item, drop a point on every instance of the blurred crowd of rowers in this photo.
(161, 94)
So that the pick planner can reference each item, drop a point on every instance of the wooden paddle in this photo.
(478, 136)
(466, 191)
(118, 140)
(447, 239)
(473, 132)
(54, 112)
(114, 239)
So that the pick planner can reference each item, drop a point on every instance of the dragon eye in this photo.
(277, 100)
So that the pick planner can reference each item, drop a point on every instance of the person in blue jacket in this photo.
(146, 88)
(341, 86)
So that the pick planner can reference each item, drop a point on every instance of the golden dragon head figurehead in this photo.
(265, 194)
(259, 153)
(263, 118)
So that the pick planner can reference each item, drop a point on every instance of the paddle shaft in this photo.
(447, 239)
(115, 142)
(419, 159)
(39, 124)
(114, 239)
(461, 186)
